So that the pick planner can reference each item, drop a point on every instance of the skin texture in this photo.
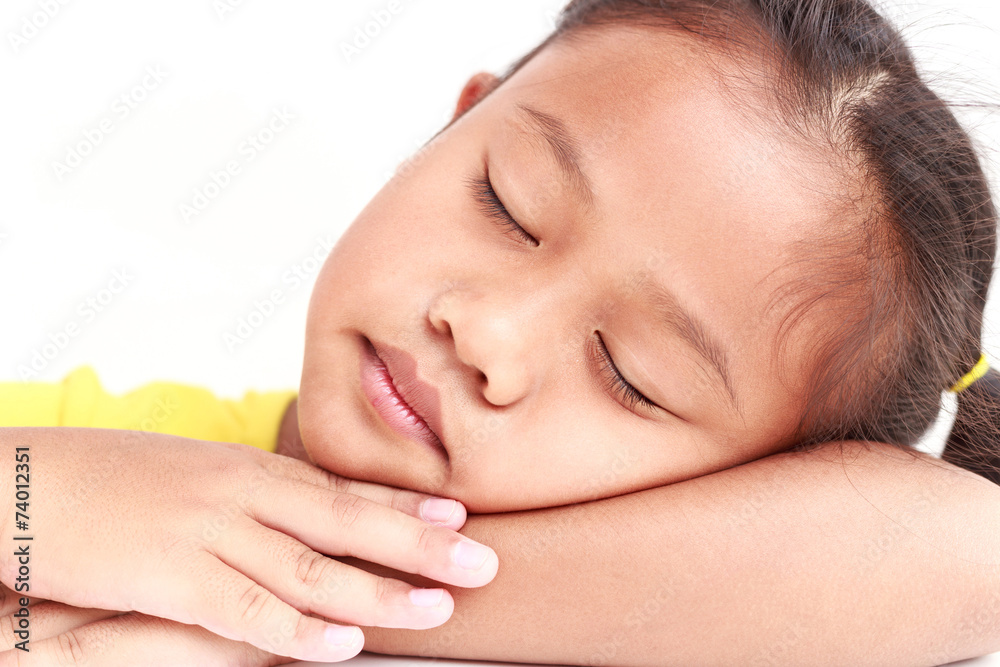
(192, 532)
(849, 554)
(779, 561)
(504, 330)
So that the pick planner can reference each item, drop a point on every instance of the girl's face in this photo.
(604, 217)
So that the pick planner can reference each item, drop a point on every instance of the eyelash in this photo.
(490, 204)
(616, 382)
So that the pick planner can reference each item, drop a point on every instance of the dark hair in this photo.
(912, 308)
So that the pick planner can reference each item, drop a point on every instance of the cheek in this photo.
(413, 228)
(381, 266)
(568, 456)
(551, 455)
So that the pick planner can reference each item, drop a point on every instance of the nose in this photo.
(488, 337)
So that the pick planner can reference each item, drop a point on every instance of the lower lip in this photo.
(395, 412)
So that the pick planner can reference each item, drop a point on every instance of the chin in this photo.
(342, 451)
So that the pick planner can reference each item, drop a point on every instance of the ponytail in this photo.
(974, 443)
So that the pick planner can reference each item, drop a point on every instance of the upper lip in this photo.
(422, 397)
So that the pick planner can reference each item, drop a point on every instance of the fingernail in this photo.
(426, 597)
(339, 635)
(470, 556)
(438, 510)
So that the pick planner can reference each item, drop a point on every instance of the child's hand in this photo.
(71, 637)
(229, 538)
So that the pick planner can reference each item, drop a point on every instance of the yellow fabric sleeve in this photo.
(160, 407)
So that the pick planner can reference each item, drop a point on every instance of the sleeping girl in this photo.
(664, 308)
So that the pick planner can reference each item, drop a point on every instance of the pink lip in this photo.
(401, 399)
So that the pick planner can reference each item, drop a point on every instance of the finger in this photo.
(11, 601)
(44, 620)
(314, 583)
(433, 510)
(137, 639)
(234, 606)
(343, 524)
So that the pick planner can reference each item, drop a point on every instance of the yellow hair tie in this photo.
(978, 371)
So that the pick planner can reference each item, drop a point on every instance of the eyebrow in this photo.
(695, 333)
(564, 148)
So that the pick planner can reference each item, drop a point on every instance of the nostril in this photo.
(442, 327)
(438, 324)
(437, 317)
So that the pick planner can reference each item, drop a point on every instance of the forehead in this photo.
(686, 180)
(654, 110)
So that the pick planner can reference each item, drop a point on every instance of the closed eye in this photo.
(616, 383)
(490, 204)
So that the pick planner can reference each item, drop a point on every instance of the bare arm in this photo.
(866, 556)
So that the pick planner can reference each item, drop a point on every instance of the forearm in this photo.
(809, 558)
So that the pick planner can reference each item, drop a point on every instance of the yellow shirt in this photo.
(160, 407)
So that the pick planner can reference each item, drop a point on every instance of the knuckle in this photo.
(254, 606)
(338, 483)
(302, 627)
(252, 486)
(310, 568)
(69, 648)
(348, 509)
(383, 592)
(399, 500)
(425, 538)
(13, 658)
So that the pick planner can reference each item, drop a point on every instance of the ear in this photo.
(478, 87)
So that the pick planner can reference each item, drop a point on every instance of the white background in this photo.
(192, 283)
(225, 73)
